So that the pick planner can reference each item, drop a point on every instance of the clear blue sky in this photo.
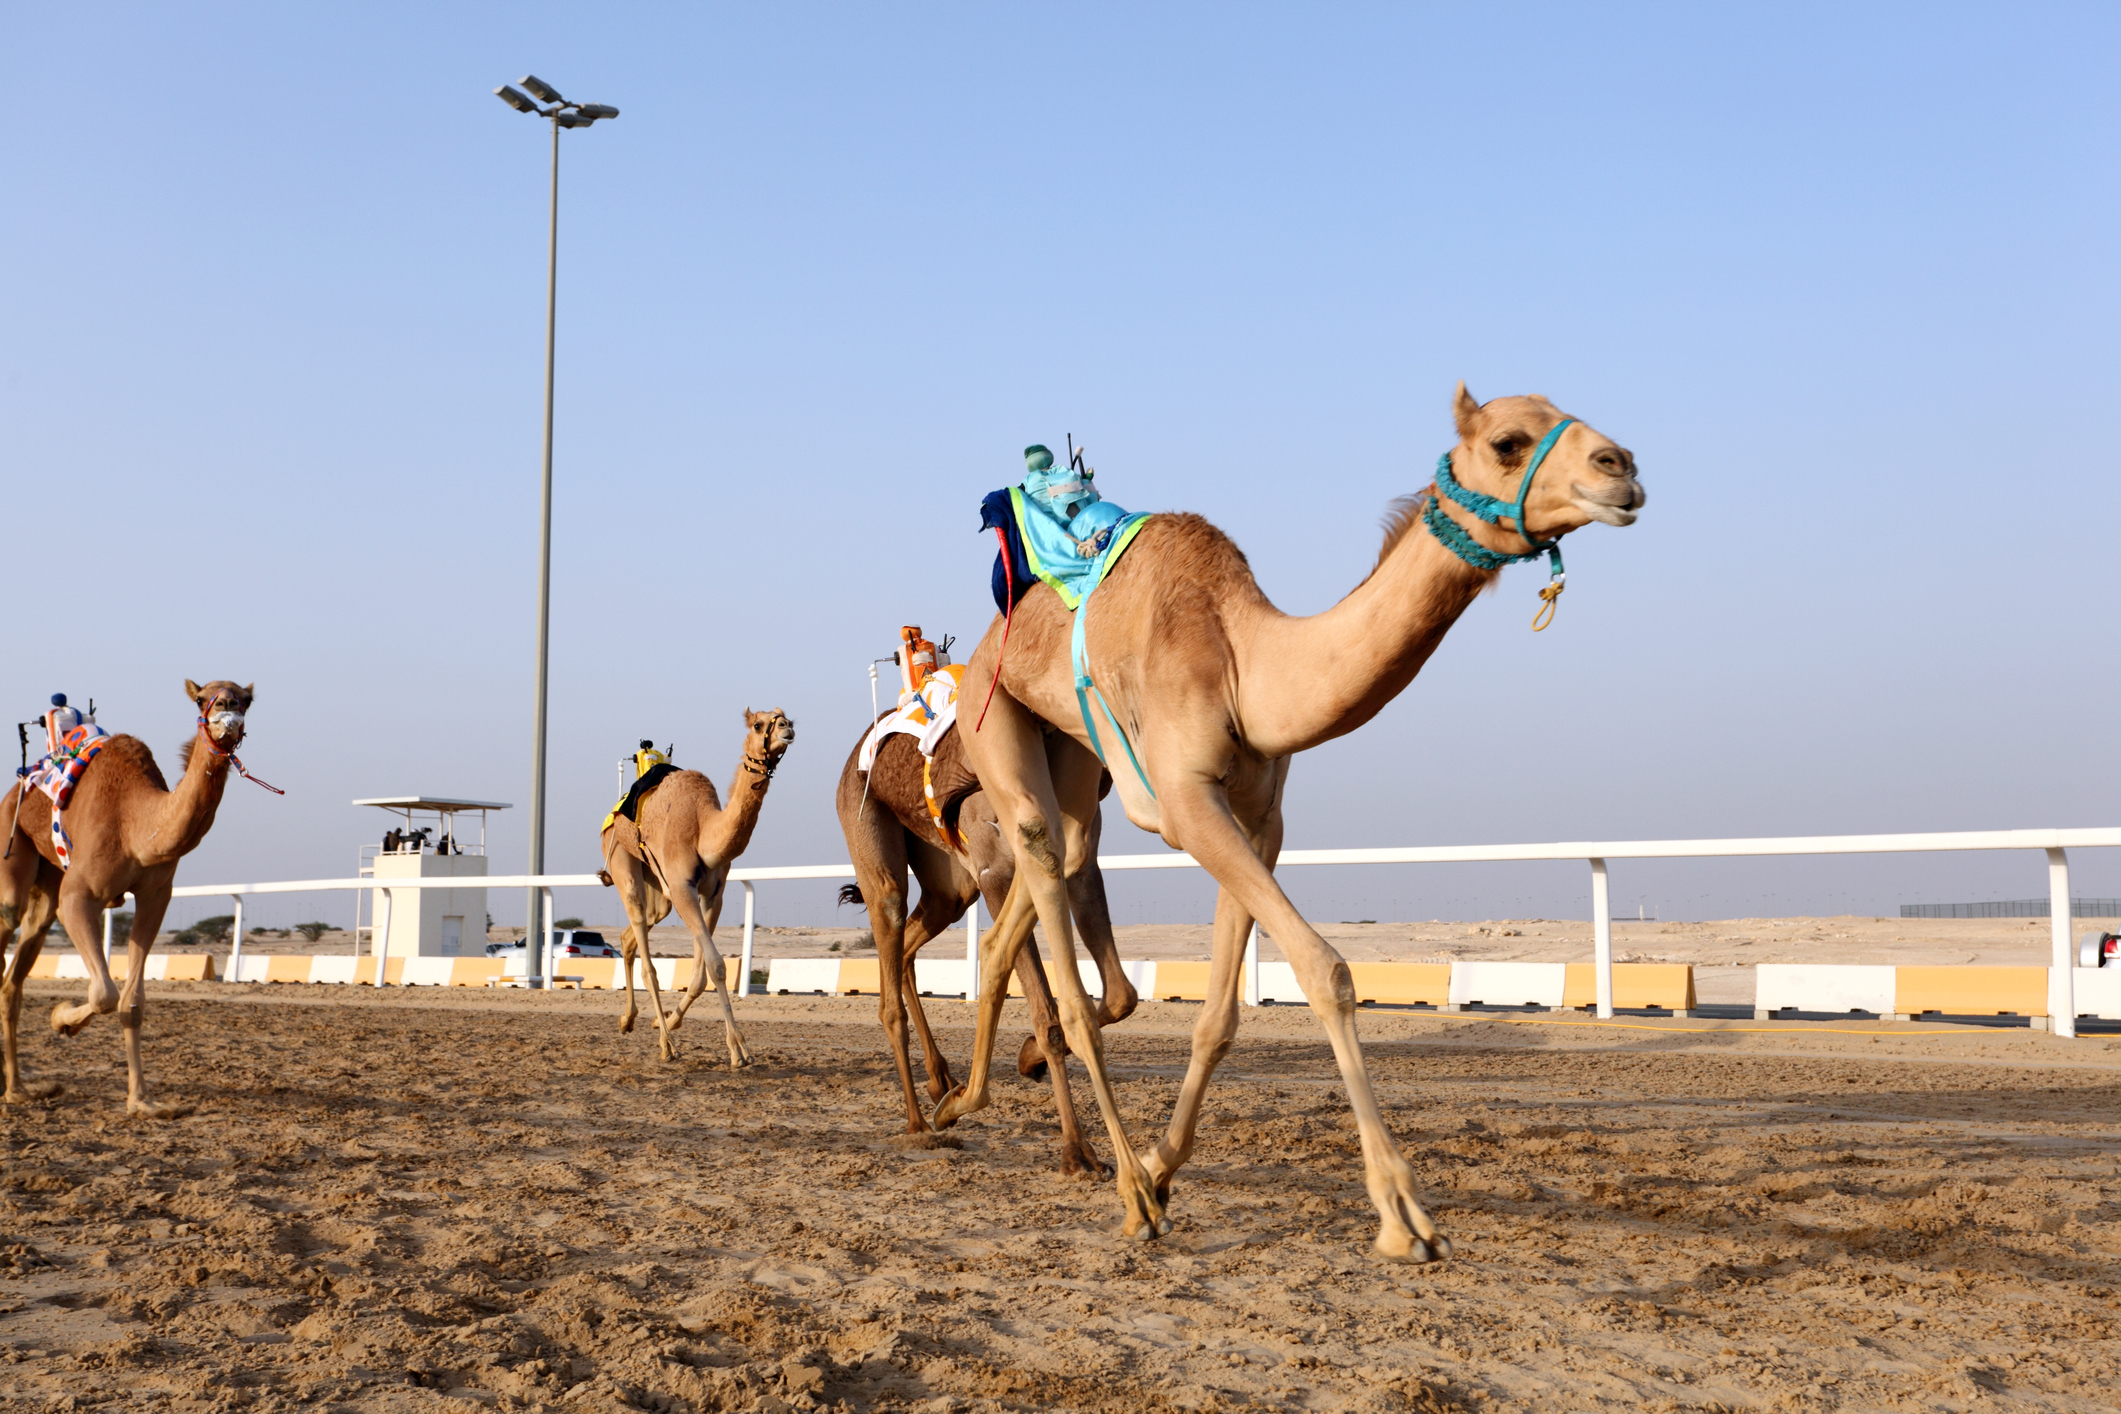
(1843, 277)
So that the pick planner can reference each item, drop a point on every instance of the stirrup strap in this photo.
(1083, 690)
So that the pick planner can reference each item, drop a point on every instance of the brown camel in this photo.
(1215, 689)
(691, 840)
(889, 830)
(128, 830)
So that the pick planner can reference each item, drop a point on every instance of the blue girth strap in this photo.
(1494, 511)
(1085, 689)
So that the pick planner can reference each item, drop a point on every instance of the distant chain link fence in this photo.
(2013, 908)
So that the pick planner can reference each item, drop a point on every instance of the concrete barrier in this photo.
(1637, 986)
(1394, 983)
(1969, 991)
(1901, 993)
(1780, 986)
(2099, 992)
(803, 974)
(1539, 984)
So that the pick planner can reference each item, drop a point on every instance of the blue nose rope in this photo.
(1494, 511)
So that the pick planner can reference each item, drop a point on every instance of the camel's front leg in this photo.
(697, 987)
(686, 900)
(1212, 836)
(84, 925)
(132, 1006)
(1212, 1035)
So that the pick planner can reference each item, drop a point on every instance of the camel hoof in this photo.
(23, 1094)
(739, 1058)
(1150, 1231)
(1416, 1252)
(1081, 1163)
(952, 1109)
(673, 1019)
(149, 1109)
(1031, 1059)
(67, 1028)
(625, 1025)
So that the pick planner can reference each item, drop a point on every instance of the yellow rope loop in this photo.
(1550, 598)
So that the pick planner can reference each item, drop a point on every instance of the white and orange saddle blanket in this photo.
(57, 775)
(924, 715)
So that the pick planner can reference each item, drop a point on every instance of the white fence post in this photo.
(379, 937)
(235, 951)
(106, 936)
(1602, 938)
(743, 967)
(545, 947)
(1252, 966)
(2062, 975)
(972, 950)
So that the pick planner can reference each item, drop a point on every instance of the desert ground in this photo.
(422, 1199)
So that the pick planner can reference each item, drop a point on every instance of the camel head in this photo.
(1586, 475)
(222, 706)
(771, 735)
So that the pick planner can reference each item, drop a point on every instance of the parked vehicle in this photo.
(566, 942)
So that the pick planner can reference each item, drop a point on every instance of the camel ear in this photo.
(250, 692)
(192, 691)
(1463, 410)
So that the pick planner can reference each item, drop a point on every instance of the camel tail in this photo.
(851, 893)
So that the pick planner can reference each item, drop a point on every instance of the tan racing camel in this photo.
(127, 829)
(691, 839)
(1215, 689)
(885, 817)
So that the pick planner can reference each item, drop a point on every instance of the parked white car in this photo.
(566, 942)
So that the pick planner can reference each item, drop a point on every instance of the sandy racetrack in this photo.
(421, 1200)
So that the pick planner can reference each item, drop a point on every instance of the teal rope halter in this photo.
(1494, 511)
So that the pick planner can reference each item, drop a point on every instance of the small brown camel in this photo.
(127, 829)
(1215, 689)
(884, 815)
(690, 841)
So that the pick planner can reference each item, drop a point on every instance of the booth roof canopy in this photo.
(444, 804)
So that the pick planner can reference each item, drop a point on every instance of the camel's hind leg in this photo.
(686, 899)
(27, 914)
(645, 907)
(1045, 805)
(947, 890)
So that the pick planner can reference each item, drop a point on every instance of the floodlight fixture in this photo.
(515, 100)
(572, 120)
(593, 111)
(541, 90)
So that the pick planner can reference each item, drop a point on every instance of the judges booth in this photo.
(427, 839)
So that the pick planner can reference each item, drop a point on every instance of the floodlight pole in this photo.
(533, 964)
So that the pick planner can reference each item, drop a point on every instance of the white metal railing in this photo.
(2055, 844)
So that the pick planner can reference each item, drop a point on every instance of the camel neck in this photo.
(730, 833)
(1307, 680)
(184, 815)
